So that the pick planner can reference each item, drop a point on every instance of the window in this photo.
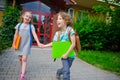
(71, 12)
(82, 15)
(2, 4)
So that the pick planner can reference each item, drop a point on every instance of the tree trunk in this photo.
(14, 2)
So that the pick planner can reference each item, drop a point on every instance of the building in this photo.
(44, 13)
(2, 4)
(43, 16)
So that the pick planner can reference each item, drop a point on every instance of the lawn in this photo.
(104, 60)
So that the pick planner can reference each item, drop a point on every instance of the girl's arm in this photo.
(48, 45)
(72, 38)
(14, 39)
(36, 38)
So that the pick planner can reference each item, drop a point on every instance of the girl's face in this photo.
(27, 17)
(60, 21)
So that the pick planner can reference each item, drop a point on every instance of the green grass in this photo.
(104, 60)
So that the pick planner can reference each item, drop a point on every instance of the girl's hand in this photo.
(43, 46)
(40, 45)
(64, 56)
(13, 46)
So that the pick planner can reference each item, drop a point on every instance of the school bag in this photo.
(77, 39)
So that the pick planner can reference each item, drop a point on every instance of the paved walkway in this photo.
(41, 67)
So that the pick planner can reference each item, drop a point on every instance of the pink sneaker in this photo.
(22, 78)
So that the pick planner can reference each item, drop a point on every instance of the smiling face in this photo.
(27, 17)
(64, 20)
(60, 21)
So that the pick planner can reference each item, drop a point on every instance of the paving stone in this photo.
(40, 66)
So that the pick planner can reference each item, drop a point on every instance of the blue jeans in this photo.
(65, 70)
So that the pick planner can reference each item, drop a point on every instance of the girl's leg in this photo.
(59, 72)
(66, 68)
(20, 59)
(24, 62)
(70, 61)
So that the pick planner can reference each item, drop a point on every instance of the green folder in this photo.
(60, 48)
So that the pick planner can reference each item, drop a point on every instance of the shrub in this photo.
(10, 19)
(96, 35)
(113, 31)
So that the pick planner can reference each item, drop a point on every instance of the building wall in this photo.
(1, 15)
(2, 5)
(76, 9)
(54, 27)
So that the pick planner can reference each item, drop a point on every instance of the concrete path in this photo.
(41, 67)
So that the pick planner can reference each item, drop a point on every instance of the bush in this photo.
(10, 19)
(96, 35)
(91, 32)
(113, 31)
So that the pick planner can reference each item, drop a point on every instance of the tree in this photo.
(10, 19)
(14, 2)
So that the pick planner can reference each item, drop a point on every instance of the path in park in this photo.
(41, 67)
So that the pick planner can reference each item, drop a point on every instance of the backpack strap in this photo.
(31, 39)
(69, 33)
(58, 38)
(19, 26)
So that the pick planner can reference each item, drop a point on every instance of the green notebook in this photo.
(60, 48)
